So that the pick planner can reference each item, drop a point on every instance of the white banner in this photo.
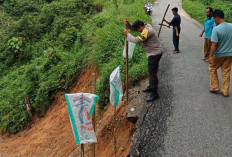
(116, 91)
(80, 108)
(131, 48)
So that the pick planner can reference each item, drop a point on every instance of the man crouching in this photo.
(152, 46)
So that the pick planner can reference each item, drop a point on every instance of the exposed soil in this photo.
(52, 134)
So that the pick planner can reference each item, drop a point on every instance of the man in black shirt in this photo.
(176, 28)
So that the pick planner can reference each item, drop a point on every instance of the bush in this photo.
(15, 46)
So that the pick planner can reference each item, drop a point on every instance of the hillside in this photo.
(46, 44)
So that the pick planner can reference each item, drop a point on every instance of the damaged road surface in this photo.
(187, 120)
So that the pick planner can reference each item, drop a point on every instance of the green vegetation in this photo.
(46, 43)
(196, 8)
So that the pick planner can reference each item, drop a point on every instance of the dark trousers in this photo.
(176, 39)
(153, 64)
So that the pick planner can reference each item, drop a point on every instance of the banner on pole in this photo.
(80, 108)
(116, 91)
(131, 48)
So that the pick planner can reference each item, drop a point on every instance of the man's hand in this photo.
(127, 23)
(166, 21)
(168, 26)
(210, 59)
(212, 50)
(126, 32)
(201, 35)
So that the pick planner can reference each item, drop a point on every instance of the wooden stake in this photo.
(82, 150)
(161, 24)
(115, 134)
(127, 90)
(94, 114)
(29, 106)
(82, 145)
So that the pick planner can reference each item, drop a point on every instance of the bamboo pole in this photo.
(127, 89)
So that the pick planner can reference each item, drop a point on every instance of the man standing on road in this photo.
(208, 28)
(220, 53)
(176, 29)
(152, 46)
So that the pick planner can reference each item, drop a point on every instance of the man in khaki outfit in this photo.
(220, 54)
(208, 28)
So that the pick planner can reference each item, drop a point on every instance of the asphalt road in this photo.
(187, 120)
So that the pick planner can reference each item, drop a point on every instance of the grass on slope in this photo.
(196, 8)
(75, 33)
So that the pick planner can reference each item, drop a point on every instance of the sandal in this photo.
(225, 95)
(175, 52)
(216, 91)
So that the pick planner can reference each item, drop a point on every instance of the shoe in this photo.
(147, 90)
(216, 91)
(154, 96)
(175, 52)
(204, 59)
(225, 95)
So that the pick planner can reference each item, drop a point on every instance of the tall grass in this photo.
(196, 8)
(109, 43)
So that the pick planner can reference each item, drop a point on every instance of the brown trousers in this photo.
(207, 46)
(225, 64)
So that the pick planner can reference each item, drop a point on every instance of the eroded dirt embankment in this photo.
(52, 134)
